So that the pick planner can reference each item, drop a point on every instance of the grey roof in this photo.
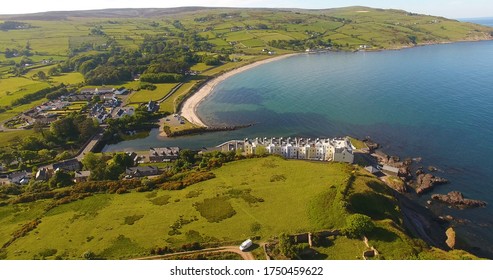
(389, 168)
(372, 169)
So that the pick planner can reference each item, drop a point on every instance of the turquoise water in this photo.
(434, 102)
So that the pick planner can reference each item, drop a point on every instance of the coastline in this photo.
(189, 108)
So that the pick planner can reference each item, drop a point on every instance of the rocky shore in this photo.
(457, 199)
(413, 180)
(426, 182)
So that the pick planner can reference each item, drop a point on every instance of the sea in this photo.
(433, 102)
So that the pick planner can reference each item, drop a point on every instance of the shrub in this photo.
(215, 209)
(358, 225)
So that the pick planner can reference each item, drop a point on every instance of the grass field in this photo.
(256, 197)
(279, 195)
(342, 248)
(146, 95)
(14, 88)
(6, 137)
(68, 78)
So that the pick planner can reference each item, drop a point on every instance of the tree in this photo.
(45, 155)
(358, 225)
(60, 179)
(28, 156)
(55, 71)
(7, 157)
(187, 156)
(42, 75)
(286, 246)
(261, 151)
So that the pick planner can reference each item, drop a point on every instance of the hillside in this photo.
(256, 197)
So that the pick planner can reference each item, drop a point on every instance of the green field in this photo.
(7, 137)
(276, 194)
(14, 88)
(142, 96)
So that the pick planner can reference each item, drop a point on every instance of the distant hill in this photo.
(105, 13)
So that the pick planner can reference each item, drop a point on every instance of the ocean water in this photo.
(434, 102)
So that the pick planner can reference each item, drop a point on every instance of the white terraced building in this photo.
(337, 150)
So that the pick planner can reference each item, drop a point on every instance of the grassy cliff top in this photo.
(257, 197)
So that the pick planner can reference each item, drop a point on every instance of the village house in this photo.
(163, 154)
(152, 106)
(97, 91)
(135, 157)
(19, 178)
(82, 176)
(67, 165)
(337, 150)
(121, 91)
(43, 174)
(125, 111)
(142, 171)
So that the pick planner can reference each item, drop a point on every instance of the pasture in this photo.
(144, 95)
(246, 187)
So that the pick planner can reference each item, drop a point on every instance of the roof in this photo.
(143, 168)
(66, 163)
(372, 169)
(82, 174)
(168, 151)
(389, 168)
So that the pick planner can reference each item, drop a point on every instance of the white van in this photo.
(246, 244)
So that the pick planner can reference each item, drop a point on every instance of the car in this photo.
(246, 244)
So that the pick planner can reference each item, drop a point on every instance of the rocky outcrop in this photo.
(450, 238)
(457, 199)
(426, 182)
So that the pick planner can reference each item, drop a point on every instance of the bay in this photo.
(434, 102)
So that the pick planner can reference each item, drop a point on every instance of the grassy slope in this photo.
(295, 200)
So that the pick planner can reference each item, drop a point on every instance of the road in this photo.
(90, 146)
(231, 249)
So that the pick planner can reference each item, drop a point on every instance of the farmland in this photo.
(239, 35)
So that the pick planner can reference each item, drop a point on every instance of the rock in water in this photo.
(450, 238)
(426, 182)
(457, 199)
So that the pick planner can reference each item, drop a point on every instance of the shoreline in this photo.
(189, 108)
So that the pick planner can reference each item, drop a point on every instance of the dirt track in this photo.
(232, 249)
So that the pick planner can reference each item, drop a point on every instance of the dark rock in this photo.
(457, 199)
(394, 159)
(370, 144)
(426, 182)
(432, 168)
(419, 171)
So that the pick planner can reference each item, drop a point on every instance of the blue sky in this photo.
(450, 9)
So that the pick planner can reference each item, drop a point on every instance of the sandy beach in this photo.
(189, 108)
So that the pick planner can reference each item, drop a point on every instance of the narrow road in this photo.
(90, 146)
(231, 249)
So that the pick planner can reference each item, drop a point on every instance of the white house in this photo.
(338, 150)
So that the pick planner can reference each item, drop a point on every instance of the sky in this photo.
(446, 8)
